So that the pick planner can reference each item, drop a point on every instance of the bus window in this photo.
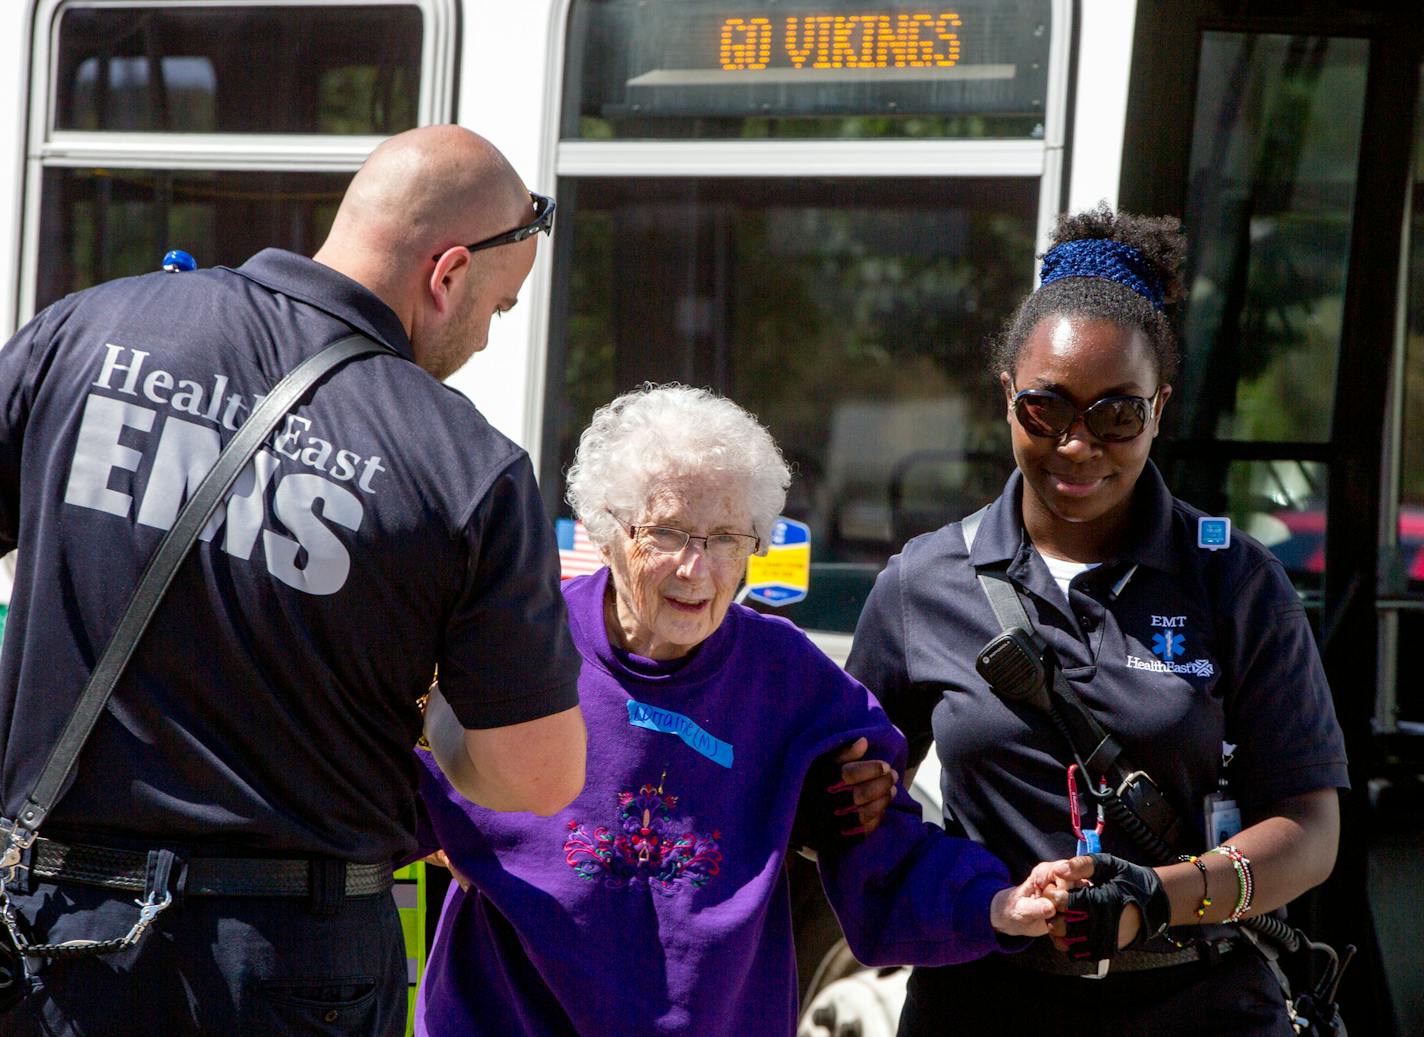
(1282, 504)
(850, 316)
(1411, 388)
(116, 222)
(1275, 148)
(216, 128)
(1273, 165)
(235, 69)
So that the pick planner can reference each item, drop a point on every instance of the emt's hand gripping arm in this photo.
(844, 795)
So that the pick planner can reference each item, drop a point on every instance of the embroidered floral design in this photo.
(646, 847)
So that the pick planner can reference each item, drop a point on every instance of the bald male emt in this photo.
(266, 721)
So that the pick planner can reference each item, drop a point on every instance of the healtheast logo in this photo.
(1168, 644)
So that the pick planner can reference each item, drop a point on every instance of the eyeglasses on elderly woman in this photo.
(1113, 419)
(669, 540)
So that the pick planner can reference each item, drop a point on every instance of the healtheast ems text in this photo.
(184, 451)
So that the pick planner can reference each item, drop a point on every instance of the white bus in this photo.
(823, 208)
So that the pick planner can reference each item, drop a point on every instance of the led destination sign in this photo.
(649, 59)
(918, 39)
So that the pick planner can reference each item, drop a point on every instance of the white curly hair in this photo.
(660, 432)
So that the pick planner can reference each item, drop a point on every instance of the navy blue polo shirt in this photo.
(1174, 648)
(383, 529)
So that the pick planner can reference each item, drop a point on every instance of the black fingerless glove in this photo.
(816, 826)
(1093, 912)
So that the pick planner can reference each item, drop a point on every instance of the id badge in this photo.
(1223, 819)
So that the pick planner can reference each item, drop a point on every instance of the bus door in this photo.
(1300, 408)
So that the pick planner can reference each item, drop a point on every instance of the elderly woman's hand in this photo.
(439, 859)
(1025, 909)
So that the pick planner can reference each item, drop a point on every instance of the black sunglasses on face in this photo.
(1113, 419)
(543, 221)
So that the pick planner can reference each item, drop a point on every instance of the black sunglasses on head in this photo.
(1113, 419)
(543, 221)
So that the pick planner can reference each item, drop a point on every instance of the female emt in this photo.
(1177, 650)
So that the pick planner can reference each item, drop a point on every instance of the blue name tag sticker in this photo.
(665, 721)
(1213, 533)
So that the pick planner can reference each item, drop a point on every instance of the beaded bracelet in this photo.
(1242, 864)
(1244, 876)
(1205, 899)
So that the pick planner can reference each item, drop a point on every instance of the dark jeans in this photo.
(1239, 997)
(215, 965)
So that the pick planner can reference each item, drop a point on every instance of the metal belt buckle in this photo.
(17, 841)
(1102, 972)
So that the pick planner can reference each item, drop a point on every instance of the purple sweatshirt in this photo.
(657, 902)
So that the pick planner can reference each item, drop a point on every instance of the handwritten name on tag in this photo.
(667, 722)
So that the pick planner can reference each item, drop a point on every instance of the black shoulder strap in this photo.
(1103, 749)
(1137, 804)
(176, 544)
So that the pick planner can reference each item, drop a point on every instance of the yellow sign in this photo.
(783, 575)
(921, 39)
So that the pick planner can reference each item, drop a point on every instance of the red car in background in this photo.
(1302, 547)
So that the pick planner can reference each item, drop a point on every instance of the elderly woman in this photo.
(657, 901)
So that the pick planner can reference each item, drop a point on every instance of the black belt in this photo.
(1040, 956)
(205, 876)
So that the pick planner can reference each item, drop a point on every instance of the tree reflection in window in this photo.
(850, 315)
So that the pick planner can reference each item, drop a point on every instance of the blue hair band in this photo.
(1103, 257)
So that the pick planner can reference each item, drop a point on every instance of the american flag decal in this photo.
(577, 555)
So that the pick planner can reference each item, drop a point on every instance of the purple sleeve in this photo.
(908, 894)
(911, 895)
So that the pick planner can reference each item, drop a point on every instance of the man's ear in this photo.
(450, 268)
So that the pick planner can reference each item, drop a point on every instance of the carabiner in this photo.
(1090, 842)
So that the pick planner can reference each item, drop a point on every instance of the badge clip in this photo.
(1213, 533)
